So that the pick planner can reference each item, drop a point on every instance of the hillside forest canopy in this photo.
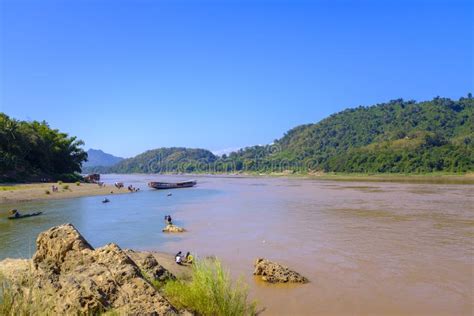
(394, 137)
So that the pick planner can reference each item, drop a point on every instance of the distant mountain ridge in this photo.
(97, 159)
(174, 159)
(394, 137)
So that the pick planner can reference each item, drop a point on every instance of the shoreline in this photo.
(433, 178)
(14, 193)
(26, 192)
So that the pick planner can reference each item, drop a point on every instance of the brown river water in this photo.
(368, 248)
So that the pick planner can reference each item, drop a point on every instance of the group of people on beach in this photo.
(180, 259)
(54, 188)
(131, 188)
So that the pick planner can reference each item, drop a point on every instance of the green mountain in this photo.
(166, 160)
(395, 137)
(398, 137)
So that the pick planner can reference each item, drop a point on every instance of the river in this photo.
(368, 248)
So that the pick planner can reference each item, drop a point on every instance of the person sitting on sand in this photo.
(178, 258)
(189, 258)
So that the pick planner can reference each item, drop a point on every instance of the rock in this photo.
(148, 264)
(276, 273)
(53, 245)
(84, 280)
(173, 229)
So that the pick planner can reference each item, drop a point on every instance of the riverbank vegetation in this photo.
(397, 137)
(210, 292)
(22, 298)
(32, 151)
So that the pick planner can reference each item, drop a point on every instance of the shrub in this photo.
(65, 187)
(60, 182)
(46, 192)
(78, 183)
(210, 292)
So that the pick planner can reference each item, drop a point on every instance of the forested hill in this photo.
(395, 137)
(398, 136)
(163, 160)
(32, 151)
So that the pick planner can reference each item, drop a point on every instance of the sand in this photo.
(38, 191)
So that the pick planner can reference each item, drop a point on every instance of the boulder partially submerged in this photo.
(170, 228)
(272, 272)
(84, 280)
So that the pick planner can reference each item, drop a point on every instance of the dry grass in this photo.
(22, 298)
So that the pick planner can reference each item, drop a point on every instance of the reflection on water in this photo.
(378, 248)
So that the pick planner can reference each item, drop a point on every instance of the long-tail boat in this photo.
(24, 215)
(172, 185)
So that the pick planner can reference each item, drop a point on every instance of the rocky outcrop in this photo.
(150, 266)
(276, 273)
(173, 229)
(84, 280)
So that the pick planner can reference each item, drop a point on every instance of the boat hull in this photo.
(25, 215)
(168, 185)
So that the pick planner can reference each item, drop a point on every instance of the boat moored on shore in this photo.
(172, 185)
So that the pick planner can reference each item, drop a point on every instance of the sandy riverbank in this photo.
(42, 191)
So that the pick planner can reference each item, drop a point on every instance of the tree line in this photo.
(394, 137)
(32, 151)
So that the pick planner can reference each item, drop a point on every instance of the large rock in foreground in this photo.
(173, 229)
(84, 280)
(276, 273)
(150, 266)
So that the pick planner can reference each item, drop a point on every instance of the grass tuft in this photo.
(210, 292)
(23, 299)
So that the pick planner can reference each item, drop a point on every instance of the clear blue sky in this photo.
(126, 76)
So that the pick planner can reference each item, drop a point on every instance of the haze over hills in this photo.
(394, 137)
